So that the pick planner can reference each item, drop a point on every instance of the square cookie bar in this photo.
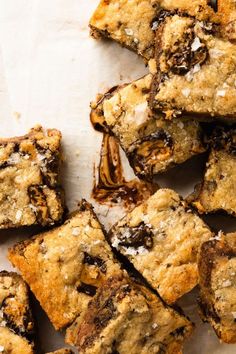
(64, 266)
(62, 351)
(120, 20)
(132, 22)
(151, 143)
(16, 321)
(227, 13)
(195, 70)
(217, 272)
(218, 189)
(124, 318)
(30, 192)
(162, 238)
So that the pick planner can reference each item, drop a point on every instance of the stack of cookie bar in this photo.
(115, 292)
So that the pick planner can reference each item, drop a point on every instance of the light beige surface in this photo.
(49, 75)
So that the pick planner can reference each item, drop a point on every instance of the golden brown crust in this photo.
(29, 179)
(195, 70)
(227, 13)
(16, 321)
(161, 238)
(62, 351)
(65, 266)
(217, 262)
(128, 318)
(217, 191)
(151, 143)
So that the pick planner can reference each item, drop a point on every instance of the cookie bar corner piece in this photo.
(162, 238)
(188, 62)
(151, 143)
(217, 264)
(217, 191)
(29, 179)
(65, 266)
(128, 318)
(120, 21)
(16, 320)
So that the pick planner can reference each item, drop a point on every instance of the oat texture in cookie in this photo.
(16, 321)
(65, 266)
(162, 238)
(124, 318)
(217, 271)
(30, 191)
(151, 143)
(227, 13)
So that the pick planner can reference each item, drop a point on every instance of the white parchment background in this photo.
(50, 70)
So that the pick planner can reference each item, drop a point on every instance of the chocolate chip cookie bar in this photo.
(217, 191)
(227, 12)
(124, 318)
(65, 266)
(62, 351)
(162, 238)
(151, 143)
(16, 321)
(132, 22)
(195, 70)
(30, 193)
(127, 22)
(217, 264)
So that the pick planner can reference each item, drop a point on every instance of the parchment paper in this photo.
(50, 70)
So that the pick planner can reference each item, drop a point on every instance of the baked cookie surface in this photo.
(16, 321)
(62, 351)
(132, 22)
(217, 191)
(125, 317)
(30, 192)
(65, 266)
(162, 238)
(151, 143)
(217, 264)
(196, 70)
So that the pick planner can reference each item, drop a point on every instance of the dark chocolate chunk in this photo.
(87, 289)
(97, 261)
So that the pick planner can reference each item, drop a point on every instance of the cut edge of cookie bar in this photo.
(31, 192)
(17, 329)
(161, 239)
(62, 351)
(216, 192)
(120, 21)
(75, 257)
(191, 64)
(151, 143)
(216, 265)
(127, 317)
(227, 12)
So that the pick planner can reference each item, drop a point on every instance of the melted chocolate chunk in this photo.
(38, 200)
(138, 236)
(223, 138)
(87, 289)
(150, 149)
(183, 58)
(97, 261)
(105, 315)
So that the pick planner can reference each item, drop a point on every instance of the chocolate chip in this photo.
(97, 261)
(87, 289)
(138, 236)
